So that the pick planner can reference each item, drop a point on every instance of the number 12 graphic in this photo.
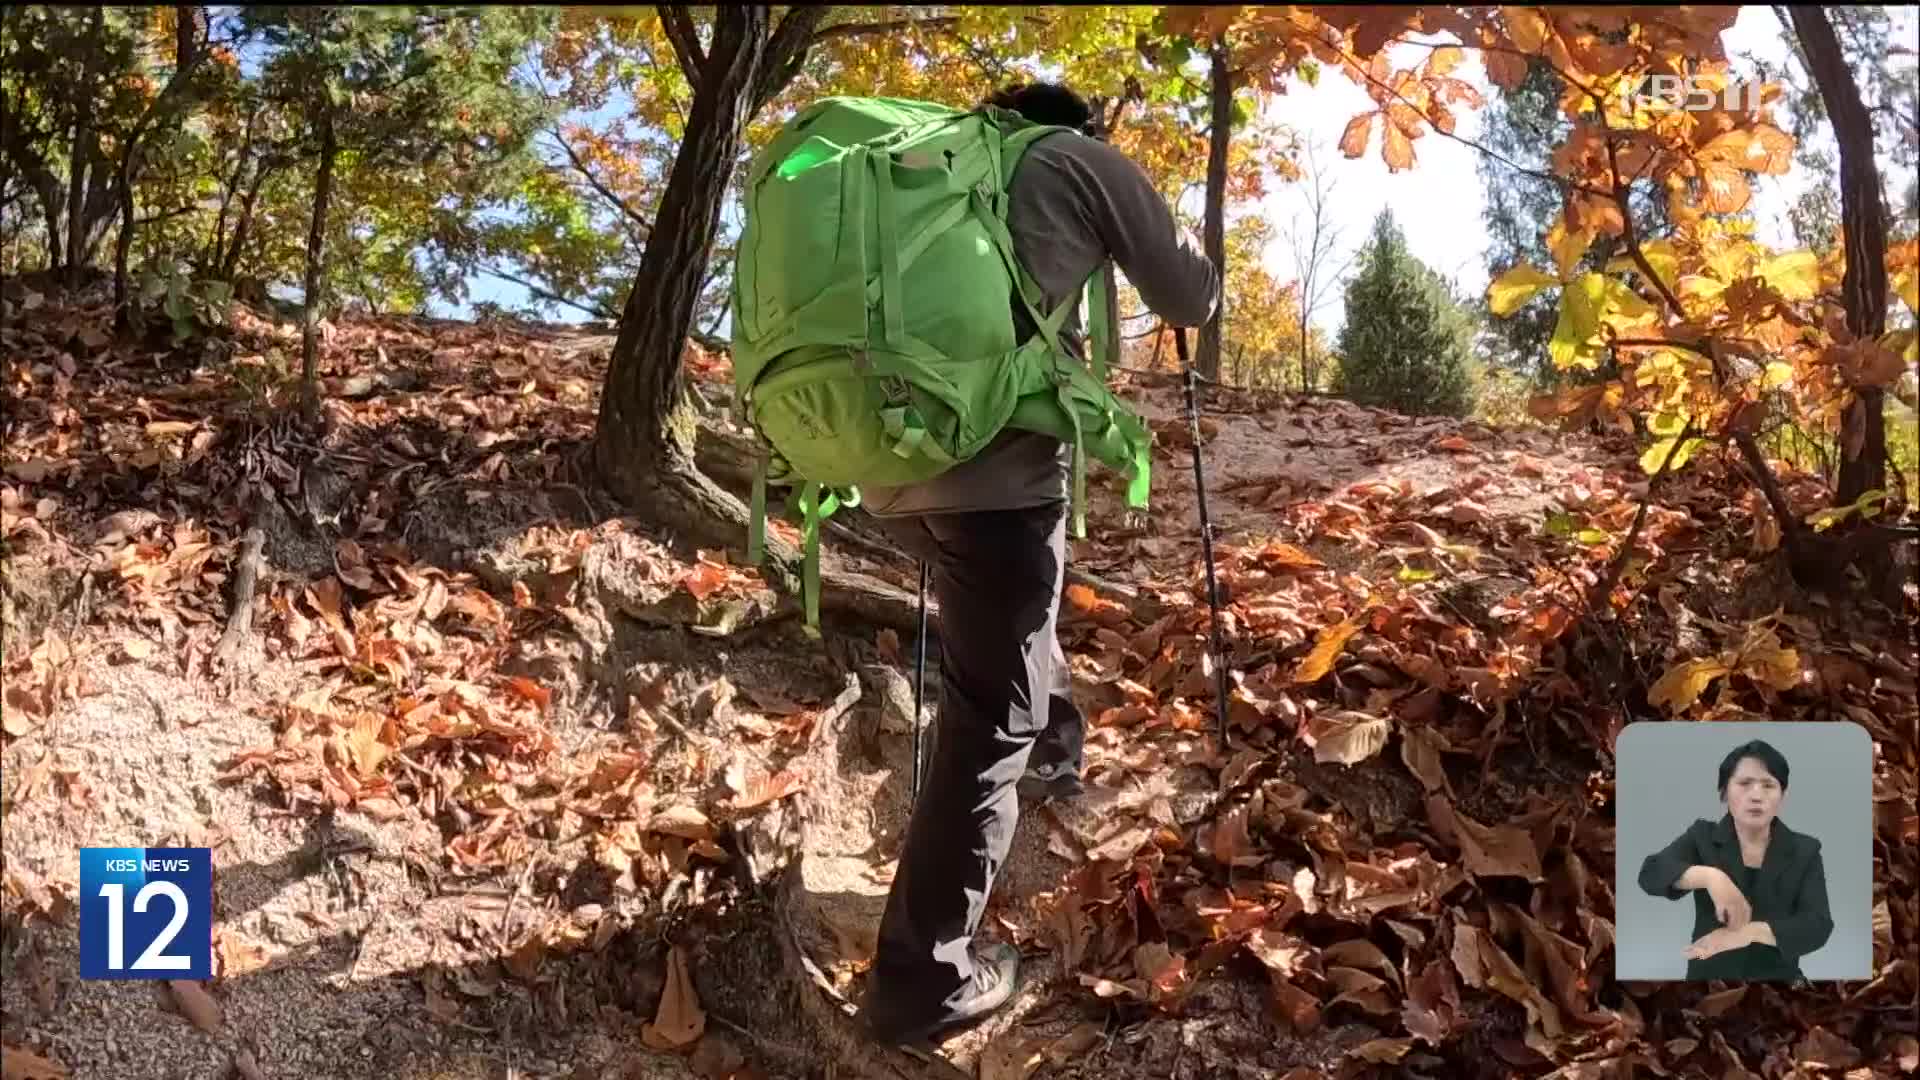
(167, 923)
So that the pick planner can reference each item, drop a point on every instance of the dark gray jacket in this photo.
(1074, 201)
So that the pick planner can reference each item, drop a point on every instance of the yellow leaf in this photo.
(1445, 59)
(1777, 667)
(1396, 149)
(1567, 247)
(1353, 141)
(1325, 650)
(1683, 684)
(1779, 373)
(1526, 26)
(1655, 455)
(1908, 285)
(1795, 275)
(1515, 287)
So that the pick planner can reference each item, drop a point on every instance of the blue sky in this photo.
(1437, 203)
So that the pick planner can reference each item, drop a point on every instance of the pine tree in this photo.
(1406, 344)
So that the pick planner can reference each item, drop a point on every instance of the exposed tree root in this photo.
(227, 653)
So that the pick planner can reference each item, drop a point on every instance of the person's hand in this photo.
(1729, 903)
(1717, 942)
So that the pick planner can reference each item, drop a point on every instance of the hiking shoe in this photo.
(994, 970)
(1048, 783)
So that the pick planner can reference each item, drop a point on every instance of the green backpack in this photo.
(873, 331)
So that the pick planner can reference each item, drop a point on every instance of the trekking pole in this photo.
(1206, 536)
(919, 687)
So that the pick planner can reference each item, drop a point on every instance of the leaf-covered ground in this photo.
(501, 783)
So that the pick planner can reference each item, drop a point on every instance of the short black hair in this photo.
(1773, 760)
(1047, 103)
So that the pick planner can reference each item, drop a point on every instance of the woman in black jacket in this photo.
(1759, 888)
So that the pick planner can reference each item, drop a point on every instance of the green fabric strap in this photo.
(1079, 462)
(895, 320)
(757, 518)
(814, 509)
(1101, 325)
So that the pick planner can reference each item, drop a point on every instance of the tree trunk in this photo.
(643, 443)
(230, 264)
(80, 158)
(312, 284)
(1216, 216)
(1863, 459)
(122, 246)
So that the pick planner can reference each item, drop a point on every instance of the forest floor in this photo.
(502, 783)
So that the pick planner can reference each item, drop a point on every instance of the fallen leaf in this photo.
(679, 1020)
(196, 1004)
(1382, 1051)
(1683, 684)
(1822, 1049)
(1720, 1001)
(704, 579)
(1420, 751)
(237, 954)
(1454, 443)
(1346, 737)
(137, 648)
(682, 821)
(1010, 1057)
(33, 470)
(1491, 850)
(1278, 556)
(752, 786)
(526, 688)
(1326, 649)
(18, 1064)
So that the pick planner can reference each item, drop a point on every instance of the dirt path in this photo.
(505, 764)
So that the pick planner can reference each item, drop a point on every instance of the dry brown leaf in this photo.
(1822, 1049)
(1010, 1057)
(1382, 1051)
(526, 688)
(1491, 850)
(137, 648)
(1420, 751)
(752, 786)
(1326, 649)
(1346, 737)
(682, 821)
(680, 1020)
(18, 1064)
(1279, 556)
(238, 954)
(1720, 1001)
(196, 1004)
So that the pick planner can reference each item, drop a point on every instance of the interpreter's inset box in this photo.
(1744, 851)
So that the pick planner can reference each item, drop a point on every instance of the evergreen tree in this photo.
(1407, 344)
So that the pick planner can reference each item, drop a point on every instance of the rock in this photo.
(838, 909)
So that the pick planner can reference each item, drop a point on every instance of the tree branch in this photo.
(592, 309)
(786, 52)
(607, 193)
(857, 29)
(680, 32)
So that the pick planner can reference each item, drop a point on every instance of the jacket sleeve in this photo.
(1660, 870)
(1175, 279)
(1811, 923)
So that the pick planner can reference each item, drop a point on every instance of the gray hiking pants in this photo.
(997, 576)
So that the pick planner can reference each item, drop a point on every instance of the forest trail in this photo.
(504, 783)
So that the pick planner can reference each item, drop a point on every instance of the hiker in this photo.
(992, 530)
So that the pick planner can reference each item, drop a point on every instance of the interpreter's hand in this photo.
(1729, 903)
(1717, 942)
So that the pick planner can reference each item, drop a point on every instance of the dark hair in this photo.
(1045, 103)
(1771, 759)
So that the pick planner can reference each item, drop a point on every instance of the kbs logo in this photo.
(146, 913)
(1691, 93)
